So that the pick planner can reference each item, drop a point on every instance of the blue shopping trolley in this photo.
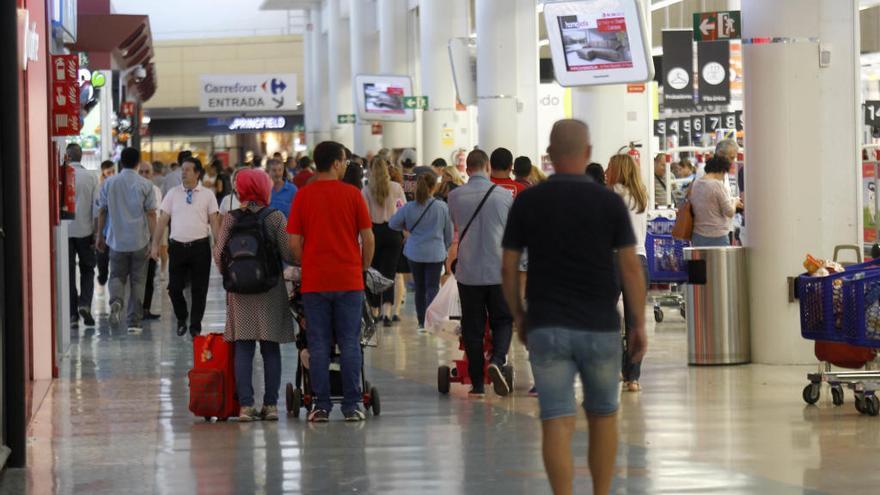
(843, 308)
(666, 266)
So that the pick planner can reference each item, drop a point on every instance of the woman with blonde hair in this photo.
(384, 197)
(625, 179)
(449, 180)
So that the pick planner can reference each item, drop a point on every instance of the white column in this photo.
(339, 74)
(507, 75)
(391, 17)
(308, 77)
(803, 188)
(364, 47)
(107, 117)
(440, 20)
(317, 67)
(616, 118)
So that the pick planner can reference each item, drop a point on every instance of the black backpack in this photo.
(251, 262)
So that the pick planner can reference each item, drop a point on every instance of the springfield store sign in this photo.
(247, 92)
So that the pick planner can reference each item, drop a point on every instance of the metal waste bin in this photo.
(717, 302)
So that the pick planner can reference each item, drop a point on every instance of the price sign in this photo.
(872, 113)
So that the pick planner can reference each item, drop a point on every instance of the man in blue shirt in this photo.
(128, 200)
(283, 191)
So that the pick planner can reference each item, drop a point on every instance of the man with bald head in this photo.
(574, 229)
(479, 211)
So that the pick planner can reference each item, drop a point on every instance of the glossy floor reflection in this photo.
(117, 422)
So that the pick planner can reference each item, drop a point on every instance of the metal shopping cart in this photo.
(842, 310)
(666, 266)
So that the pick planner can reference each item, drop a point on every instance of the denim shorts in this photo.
(558, 354)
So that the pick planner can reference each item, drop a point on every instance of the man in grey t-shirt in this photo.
(80, 239)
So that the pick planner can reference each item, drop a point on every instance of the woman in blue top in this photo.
(430, 235)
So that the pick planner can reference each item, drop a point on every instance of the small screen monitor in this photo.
(597, 42)
(382, 98)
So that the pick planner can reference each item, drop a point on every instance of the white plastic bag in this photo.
(444, 307)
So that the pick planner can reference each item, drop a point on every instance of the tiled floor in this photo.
(116, 422)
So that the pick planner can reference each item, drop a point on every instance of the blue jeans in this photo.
(244, 370)
(558, 354)
(427, 279)
(701, 241)
(338, 314)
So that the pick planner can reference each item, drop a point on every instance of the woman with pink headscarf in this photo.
(263, 317)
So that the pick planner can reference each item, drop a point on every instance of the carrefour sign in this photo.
(247, 92)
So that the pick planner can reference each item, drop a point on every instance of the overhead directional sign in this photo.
(415, 102)
(247, 92)
(715, 26)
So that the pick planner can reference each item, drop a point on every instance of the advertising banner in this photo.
(678, 67)
(247, 92)
(869, 183)
(713, 60)
(385, 98)
(598, 42)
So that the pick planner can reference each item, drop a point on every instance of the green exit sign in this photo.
(415, 102)
(348, 118)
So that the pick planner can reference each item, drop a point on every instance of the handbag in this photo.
(684, 219)
(468, 226)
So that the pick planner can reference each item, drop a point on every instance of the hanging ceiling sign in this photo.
(247, 92)
(678, 67)
(713, 60)
(598, 42)
(717, 26)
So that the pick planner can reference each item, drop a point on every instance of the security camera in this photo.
(139, 73)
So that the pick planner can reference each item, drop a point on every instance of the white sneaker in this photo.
(115, 313)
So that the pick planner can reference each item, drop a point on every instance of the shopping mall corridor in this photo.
(116, 421)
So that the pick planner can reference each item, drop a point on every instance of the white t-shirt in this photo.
(638, 220)
(189, 221)
(230, 202)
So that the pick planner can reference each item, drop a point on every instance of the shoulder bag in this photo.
(684, 219)
(474, 216)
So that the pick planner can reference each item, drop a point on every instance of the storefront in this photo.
(227, 137)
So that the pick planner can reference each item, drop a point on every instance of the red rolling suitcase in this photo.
(212, 379)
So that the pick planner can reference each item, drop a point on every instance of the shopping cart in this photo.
(843, 310)
(666, 266)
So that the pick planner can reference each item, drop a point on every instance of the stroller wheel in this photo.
(443, 379)
(288, 395)
(296, 402)
(375, 404)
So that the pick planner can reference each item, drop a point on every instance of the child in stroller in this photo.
(299, 393)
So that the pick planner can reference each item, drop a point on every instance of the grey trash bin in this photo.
(717, 306)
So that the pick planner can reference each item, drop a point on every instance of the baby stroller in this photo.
(299, 394)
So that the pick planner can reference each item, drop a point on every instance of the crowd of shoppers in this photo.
(546, 258)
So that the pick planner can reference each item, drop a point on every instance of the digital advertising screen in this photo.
(597, 42)
(383, 98)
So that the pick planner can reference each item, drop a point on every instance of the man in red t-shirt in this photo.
(305, 173)
(324, 224)
(502, 164)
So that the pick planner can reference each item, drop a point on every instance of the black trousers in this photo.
(388, 247)
(103, 266)
(84, 249)
(478, 301)
(189, 263)
(148, 288)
